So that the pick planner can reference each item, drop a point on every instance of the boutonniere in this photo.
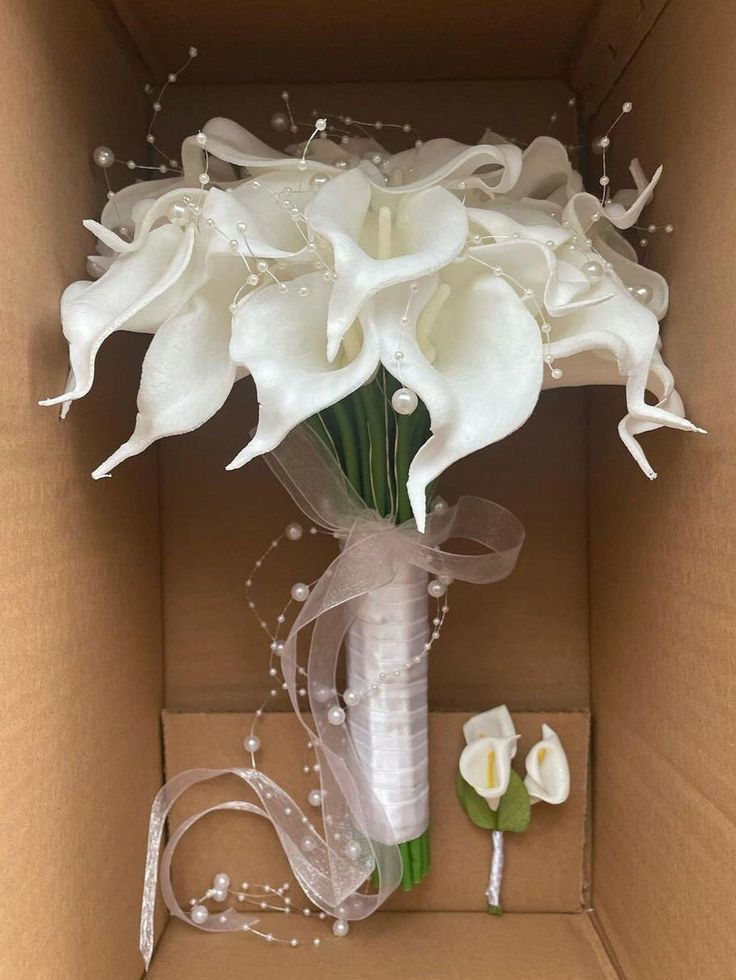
(494, 796)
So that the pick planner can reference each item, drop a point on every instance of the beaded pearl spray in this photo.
(104, 157)
(336, 715)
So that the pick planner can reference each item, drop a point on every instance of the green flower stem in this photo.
(370, 399)
(403, 461)
(342, 417)
(364, 449)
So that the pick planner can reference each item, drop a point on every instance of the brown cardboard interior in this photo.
(87, 610)
(662, 560)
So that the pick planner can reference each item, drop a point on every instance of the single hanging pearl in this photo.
(103, 157)
(436, 588)
(279, 122)
(641, 293)
(199, 914)
(340, 928)
(315, 797)
(294, 531)
(404, 401)
(336, 715)
(252, 743)
(299, 592)
(177, 212)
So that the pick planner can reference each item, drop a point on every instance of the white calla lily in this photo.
(281, 337)
(496, 722)
(428, 230)
(547, 770)
(460, 270)
(485, 763)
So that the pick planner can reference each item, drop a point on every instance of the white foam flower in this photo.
(496, 722)
(547, 772)
(459, 269)
(176, 279)
(485, 763)
(329, 343)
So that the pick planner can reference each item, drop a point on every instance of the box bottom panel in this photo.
(407, 945)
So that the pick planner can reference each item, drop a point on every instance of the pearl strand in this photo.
(263, 899)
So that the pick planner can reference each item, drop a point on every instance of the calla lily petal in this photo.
(497, 723)
(485, 763)
(447, 161)
(548, 772)
(281, 338)
(131, 295)
(487, 373)
(627, 330)
(187, 373)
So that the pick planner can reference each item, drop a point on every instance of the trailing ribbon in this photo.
(373, 551)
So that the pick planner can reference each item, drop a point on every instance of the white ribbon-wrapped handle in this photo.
(389, 728)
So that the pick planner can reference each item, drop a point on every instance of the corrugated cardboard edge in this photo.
(608, 44)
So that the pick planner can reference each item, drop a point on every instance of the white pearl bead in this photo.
(199, 914)
(627, 107)
(336, 715)
(252, 743)
(177, 212)
(439, 505)
(318, 180)
(299, 592)
(221, 880)
(308, 844)
(445, 578)
(340, 928)
(280, 122)
(556, 373)
(404, 401)
(351, 697)
(103, 157)
(279, 647)
(219, 894)
(201, 138)
(641, 293)
(316, 942)
(294, 531)
(354, 850)
(315, 797)
(594, 271)
(436, 588)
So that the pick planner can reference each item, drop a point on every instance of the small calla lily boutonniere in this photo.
(494, 796)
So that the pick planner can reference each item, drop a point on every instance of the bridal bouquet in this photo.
(395, 312)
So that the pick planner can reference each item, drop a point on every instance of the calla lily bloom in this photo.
(547, 772)
(496, 723)
(461, 270)
(485, 763)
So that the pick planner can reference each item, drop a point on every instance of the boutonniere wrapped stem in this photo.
(494, 796)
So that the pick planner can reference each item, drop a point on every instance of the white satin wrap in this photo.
(389, 727)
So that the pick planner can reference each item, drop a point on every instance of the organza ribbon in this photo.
(330, 869)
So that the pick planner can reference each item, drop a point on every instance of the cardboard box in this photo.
(123, 598)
